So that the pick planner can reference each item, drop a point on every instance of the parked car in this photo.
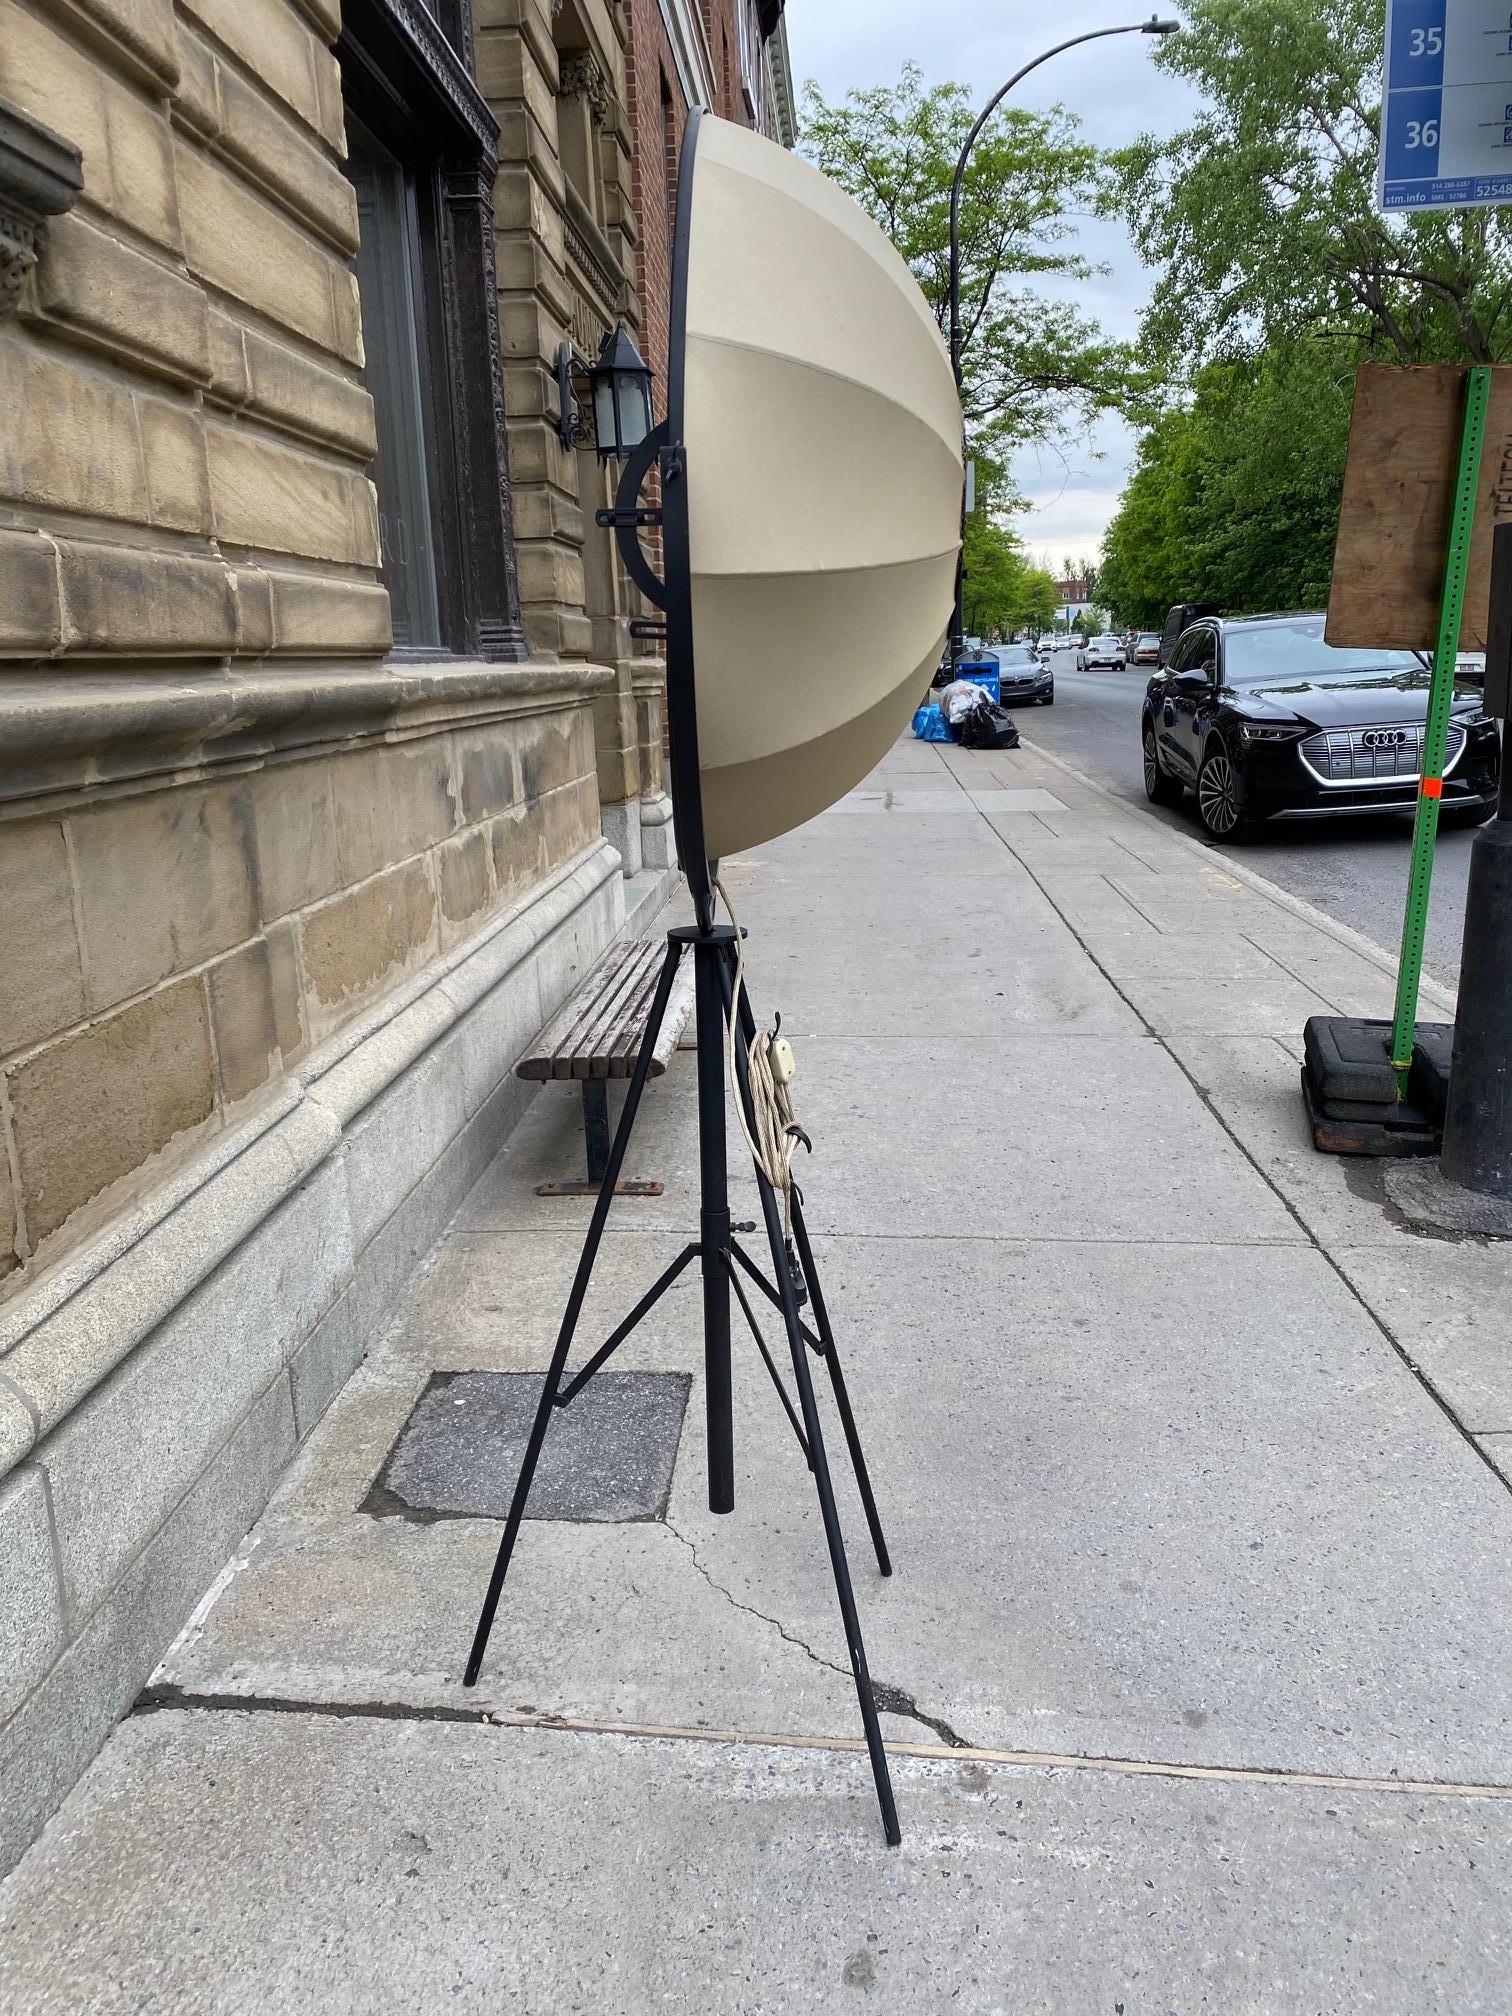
(1264, 720)
(1147, 647)
(1107, 651)
(1179, 617)
(1025, 678)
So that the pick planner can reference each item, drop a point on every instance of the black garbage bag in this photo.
(987, 727)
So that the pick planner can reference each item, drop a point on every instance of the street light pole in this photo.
(1151, 27)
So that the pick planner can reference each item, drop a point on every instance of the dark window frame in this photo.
(406, 82)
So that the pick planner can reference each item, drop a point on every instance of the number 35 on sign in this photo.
(1446, 121)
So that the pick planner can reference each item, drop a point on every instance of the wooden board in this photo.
(1388, 573)
(600, 1031)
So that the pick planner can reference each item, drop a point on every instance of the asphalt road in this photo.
(1354, 869)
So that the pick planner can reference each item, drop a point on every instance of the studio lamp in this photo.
(808, 498)
(619, 395)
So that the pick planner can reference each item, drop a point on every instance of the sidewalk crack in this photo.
(750, 1610)
(893, 1701)
(890, 1700)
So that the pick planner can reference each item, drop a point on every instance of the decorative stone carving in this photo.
(583, 77)
(41, 174)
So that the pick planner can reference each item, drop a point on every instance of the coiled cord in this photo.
(777, 1134)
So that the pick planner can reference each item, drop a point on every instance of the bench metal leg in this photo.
(596, 1142)
(596, 1127)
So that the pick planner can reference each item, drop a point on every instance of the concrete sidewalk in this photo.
(1198, 1656)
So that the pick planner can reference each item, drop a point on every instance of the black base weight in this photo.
(724, 1266)
(1354, 1105)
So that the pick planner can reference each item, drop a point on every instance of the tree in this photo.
(1261, 218)
(1234, 499)
(1002, 592)
(1033, 369)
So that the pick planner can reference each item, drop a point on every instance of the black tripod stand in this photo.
(722, 1262)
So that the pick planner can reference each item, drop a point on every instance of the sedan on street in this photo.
(1107, 651)
(1147, 647)
(1263, 720)
(1025, 678)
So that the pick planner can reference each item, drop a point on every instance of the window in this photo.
(389, 279)
(422, 155)
(1197, 652)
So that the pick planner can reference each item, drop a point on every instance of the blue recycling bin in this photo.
(982, 672)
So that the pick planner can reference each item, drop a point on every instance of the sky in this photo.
(1117, 93)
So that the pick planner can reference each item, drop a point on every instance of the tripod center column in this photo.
(710, 951)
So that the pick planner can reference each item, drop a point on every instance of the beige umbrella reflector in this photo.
(823, 439)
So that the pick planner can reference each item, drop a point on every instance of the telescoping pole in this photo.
(1436, 734)
(1478, 1119)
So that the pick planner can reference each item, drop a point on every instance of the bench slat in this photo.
(599, 1032)
(558, 1042)
(624, 1005)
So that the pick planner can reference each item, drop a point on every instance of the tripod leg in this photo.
(641, 1310)
(842, 1396)
(820, 1463)
(827, 1346)
(574, 1308)
(714, 1219)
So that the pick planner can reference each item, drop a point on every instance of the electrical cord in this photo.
(777, 1134)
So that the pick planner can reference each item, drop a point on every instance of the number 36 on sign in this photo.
(1446, 122)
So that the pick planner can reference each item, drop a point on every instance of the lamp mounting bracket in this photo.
(628, 514)
(573, 430)
(613, 517)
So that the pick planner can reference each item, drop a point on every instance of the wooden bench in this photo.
(598, 1036)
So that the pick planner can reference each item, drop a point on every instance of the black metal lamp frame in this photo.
(725, 1265)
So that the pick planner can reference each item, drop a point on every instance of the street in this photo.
(1355, 869)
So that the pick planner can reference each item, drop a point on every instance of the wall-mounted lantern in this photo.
(619, 397)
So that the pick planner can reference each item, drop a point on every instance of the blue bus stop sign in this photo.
(1446, 119)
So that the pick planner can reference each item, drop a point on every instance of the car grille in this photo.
(1344, 756)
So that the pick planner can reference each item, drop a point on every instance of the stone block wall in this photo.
(183, 466)
(279, 910)
(169, 952)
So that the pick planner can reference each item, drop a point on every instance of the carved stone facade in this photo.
(554, 72)
(40, 177)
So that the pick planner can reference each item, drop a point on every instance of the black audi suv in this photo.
(1262, 720)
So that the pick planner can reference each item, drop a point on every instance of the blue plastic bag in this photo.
(929, 724)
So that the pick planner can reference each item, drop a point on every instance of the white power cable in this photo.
(769, 1072)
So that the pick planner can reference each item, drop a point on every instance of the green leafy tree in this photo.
(1234, 499)
(1260, 217)
(1033, 369)
(1039, 602)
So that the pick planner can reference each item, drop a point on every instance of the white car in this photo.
(1107, 651)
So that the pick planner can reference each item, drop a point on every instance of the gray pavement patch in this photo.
(284, 1863)
(609, 1455)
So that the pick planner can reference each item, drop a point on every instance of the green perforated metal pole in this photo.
(1436, 735)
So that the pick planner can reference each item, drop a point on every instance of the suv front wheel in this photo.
(1220, 795)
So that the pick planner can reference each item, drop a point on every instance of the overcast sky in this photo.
(1116, 91)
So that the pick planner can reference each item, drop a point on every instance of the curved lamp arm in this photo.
(1151, 27)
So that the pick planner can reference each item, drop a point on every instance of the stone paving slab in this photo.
(354, 1866)
(1114, 1524)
